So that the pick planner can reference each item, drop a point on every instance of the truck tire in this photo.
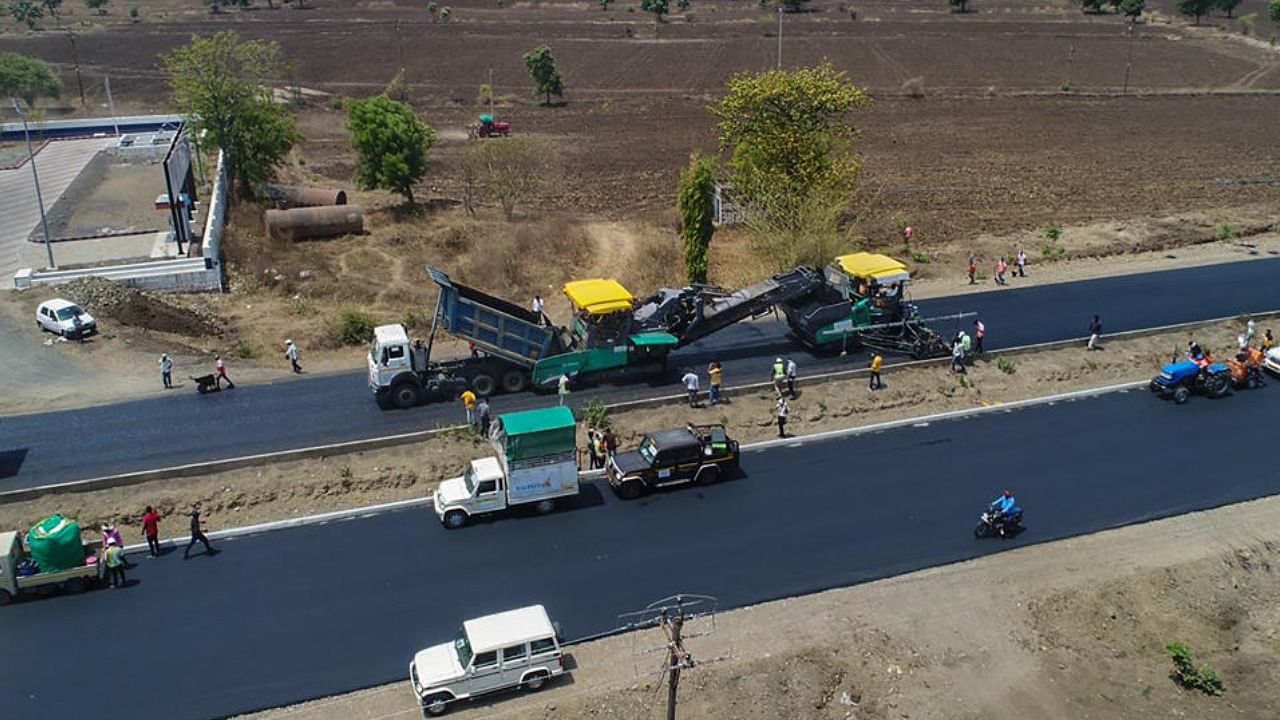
(708, 475)
(405, 395)
(435, 705)
(514, 381)
(75, 585)
(545, 506)
(535, 682)
(1181, 395)
(630, 489)
(455, 519)
(483, 384)
(5, 597)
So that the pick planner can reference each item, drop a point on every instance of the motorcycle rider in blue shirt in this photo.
(1005, 504)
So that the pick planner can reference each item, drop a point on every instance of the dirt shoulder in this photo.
(1046, 631)
(292, 489)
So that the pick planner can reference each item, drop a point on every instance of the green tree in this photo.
(793, 163)
(512, 170)
(959, 5)
(657, 7)
(1273, 10)
(1195, 8)
(391, 145)
(218, 83)
(1227, 6)
(26, 11)
(695, 197)
(546, 76)
(794, 5)
(27, 78)
(99, 6)
(604, 4)
(1092, 6)
(1132, 8)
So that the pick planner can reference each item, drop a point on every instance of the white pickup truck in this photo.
(536, 464)
(73, 580)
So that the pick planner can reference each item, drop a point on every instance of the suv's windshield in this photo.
(463, 648)
(67, 313)
(648, 450)
(469, 480)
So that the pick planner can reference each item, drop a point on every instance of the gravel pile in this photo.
(127, 306)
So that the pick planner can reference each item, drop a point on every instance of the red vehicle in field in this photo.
(489, 127)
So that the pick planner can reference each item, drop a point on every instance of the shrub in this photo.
(1053, 233)
(1226, 232)
(355, 327)
(914, 87)
(415, 320)
(1188, 675)
(1006, 366)
(919, 257)
(1246, 23)
(300, 305)
(767, 24)
(244, 350)
(596, 414)
(1052, 251)
(133, 13)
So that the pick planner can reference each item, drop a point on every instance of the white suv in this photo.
(517, 648)
(59, 316)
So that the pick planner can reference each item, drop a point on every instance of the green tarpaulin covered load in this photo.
(55, 544)
(533, 434)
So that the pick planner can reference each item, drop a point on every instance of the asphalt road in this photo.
(302, 613)
(184, 427)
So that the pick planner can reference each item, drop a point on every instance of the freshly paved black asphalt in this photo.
(303, 613)
(183, 427)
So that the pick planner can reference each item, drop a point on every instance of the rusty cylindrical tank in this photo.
(314, 222)
(292, 196)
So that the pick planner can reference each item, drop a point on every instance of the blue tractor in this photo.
(1179, 379)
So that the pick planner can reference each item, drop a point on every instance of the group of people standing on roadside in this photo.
(291, 353)
(1001, 269)
(601, 445)
(113, 553)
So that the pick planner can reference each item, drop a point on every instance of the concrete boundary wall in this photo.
(190, 274)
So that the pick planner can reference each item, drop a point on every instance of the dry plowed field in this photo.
(971, 131)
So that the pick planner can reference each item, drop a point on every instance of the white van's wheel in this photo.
(535, 682)
(455, 519)
(435, 705)
(545, 506)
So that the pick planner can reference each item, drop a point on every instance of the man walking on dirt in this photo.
(876, 363)
(166, 370)
(1095, 331)
(483, 410)
(781, 410)
(291, 353)
(220, 373)
(791, 378)
(1022, 263)
(973, 269)
(979, 332)
(536, 307)
(779, 375)
(1001, 268)
(197, 535)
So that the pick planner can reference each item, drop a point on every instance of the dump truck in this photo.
(535, 463)
(18, 577)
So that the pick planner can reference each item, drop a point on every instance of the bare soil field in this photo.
(291, 489)
(1046, 631)
(971, 140)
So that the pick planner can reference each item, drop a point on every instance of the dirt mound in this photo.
(127, 306)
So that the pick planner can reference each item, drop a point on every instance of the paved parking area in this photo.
(58, 163)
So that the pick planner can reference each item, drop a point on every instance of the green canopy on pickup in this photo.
(55, 544)
(536, 433)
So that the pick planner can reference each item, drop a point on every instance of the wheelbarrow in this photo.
(206, 384)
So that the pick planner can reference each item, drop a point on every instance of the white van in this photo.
(517, 648)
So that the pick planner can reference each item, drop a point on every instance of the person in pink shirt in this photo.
(1001, 268)
(979, 332)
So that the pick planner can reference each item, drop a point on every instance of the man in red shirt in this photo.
(151, 528)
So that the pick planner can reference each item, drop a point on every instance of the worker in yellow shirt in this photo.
(714, 371)
(469, 402)
(876, 363)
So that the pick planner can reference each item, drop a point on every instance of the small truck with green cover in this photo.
(58, 560)
(535, 463)
(696, 453)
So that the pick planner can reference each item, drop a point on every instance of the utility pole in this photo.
(75, 57)
(111, 103)
(779, 36)
(677, 657)
(1128, 63)
(400, 49)
(491, 90)
(31, 158)
(1071, 55)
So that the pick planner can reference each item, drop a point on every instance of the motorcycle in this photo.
(993, 523)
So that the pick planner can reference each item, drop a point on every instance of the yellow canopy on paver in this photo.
(881, 268)
(598, 296)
